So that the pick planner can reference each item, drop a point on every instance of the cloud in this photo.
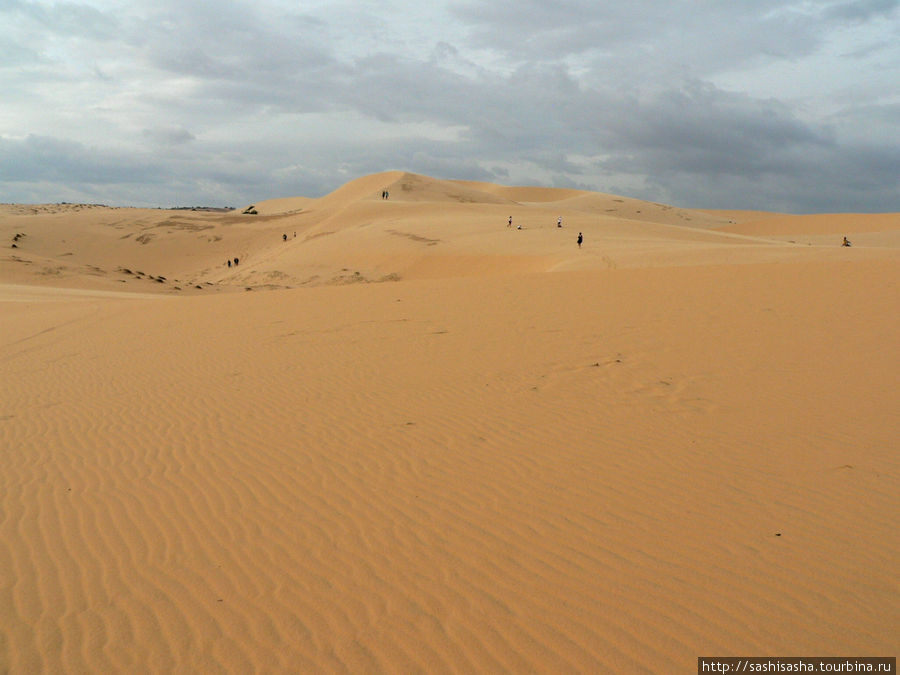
(168, 135)
(856, 179)
(235, 101)
(699, 127)
(42, 158)
(861, 10)
(706, 147)
(60, 18)
(702, 37)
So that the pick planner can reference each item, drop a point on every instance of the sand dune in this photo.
(870, 230)
(828, 224)
(443, 444)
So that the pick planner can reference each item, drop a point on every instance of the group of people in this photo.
(385, 194)
(579, 240)
(519, 227)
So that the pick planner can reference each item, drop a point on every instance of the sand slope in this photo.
(511, 455)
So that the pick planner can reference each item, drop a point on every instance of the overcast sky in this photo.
(790, 105)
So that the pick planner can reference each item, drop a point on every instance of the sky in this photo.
(778, 105)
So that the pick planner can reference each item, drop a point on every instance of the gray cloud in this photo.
(703, 37)
(184, 102)
(40, 158)
(168, 135)
(62, 18)
(861, 10)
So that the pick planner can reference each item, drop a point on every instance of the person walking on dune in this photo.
(509, 222)
(580, 239)
(559, 222)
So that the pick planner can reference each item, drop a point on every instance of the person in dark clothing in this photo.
(580, 239)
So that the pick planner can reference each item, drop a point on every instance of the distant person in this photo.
(236, 262)
(559, 222)
(284, 237)
(846, 242)
(580, 239)
(229, 263)
(295, 235)
(519, 227)
(509, 222)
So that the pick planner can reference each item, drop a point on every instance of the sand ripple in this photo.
(604, 471)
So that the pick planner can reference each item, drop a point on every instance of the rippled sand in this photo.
(411, 438)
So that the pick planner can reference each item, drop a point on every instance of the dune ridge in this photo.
(442, 444)
(431, 228)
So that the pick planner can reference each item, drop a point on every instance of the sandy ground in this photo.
(410, 438)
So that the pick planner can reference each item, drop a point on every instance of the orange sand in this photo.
(442, 444)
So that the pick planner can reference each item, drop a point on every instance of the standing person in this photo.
(509, 222)
(580, 239)
(559, 222)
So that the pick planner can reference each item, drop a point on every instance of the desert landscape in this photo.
(433, 433)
